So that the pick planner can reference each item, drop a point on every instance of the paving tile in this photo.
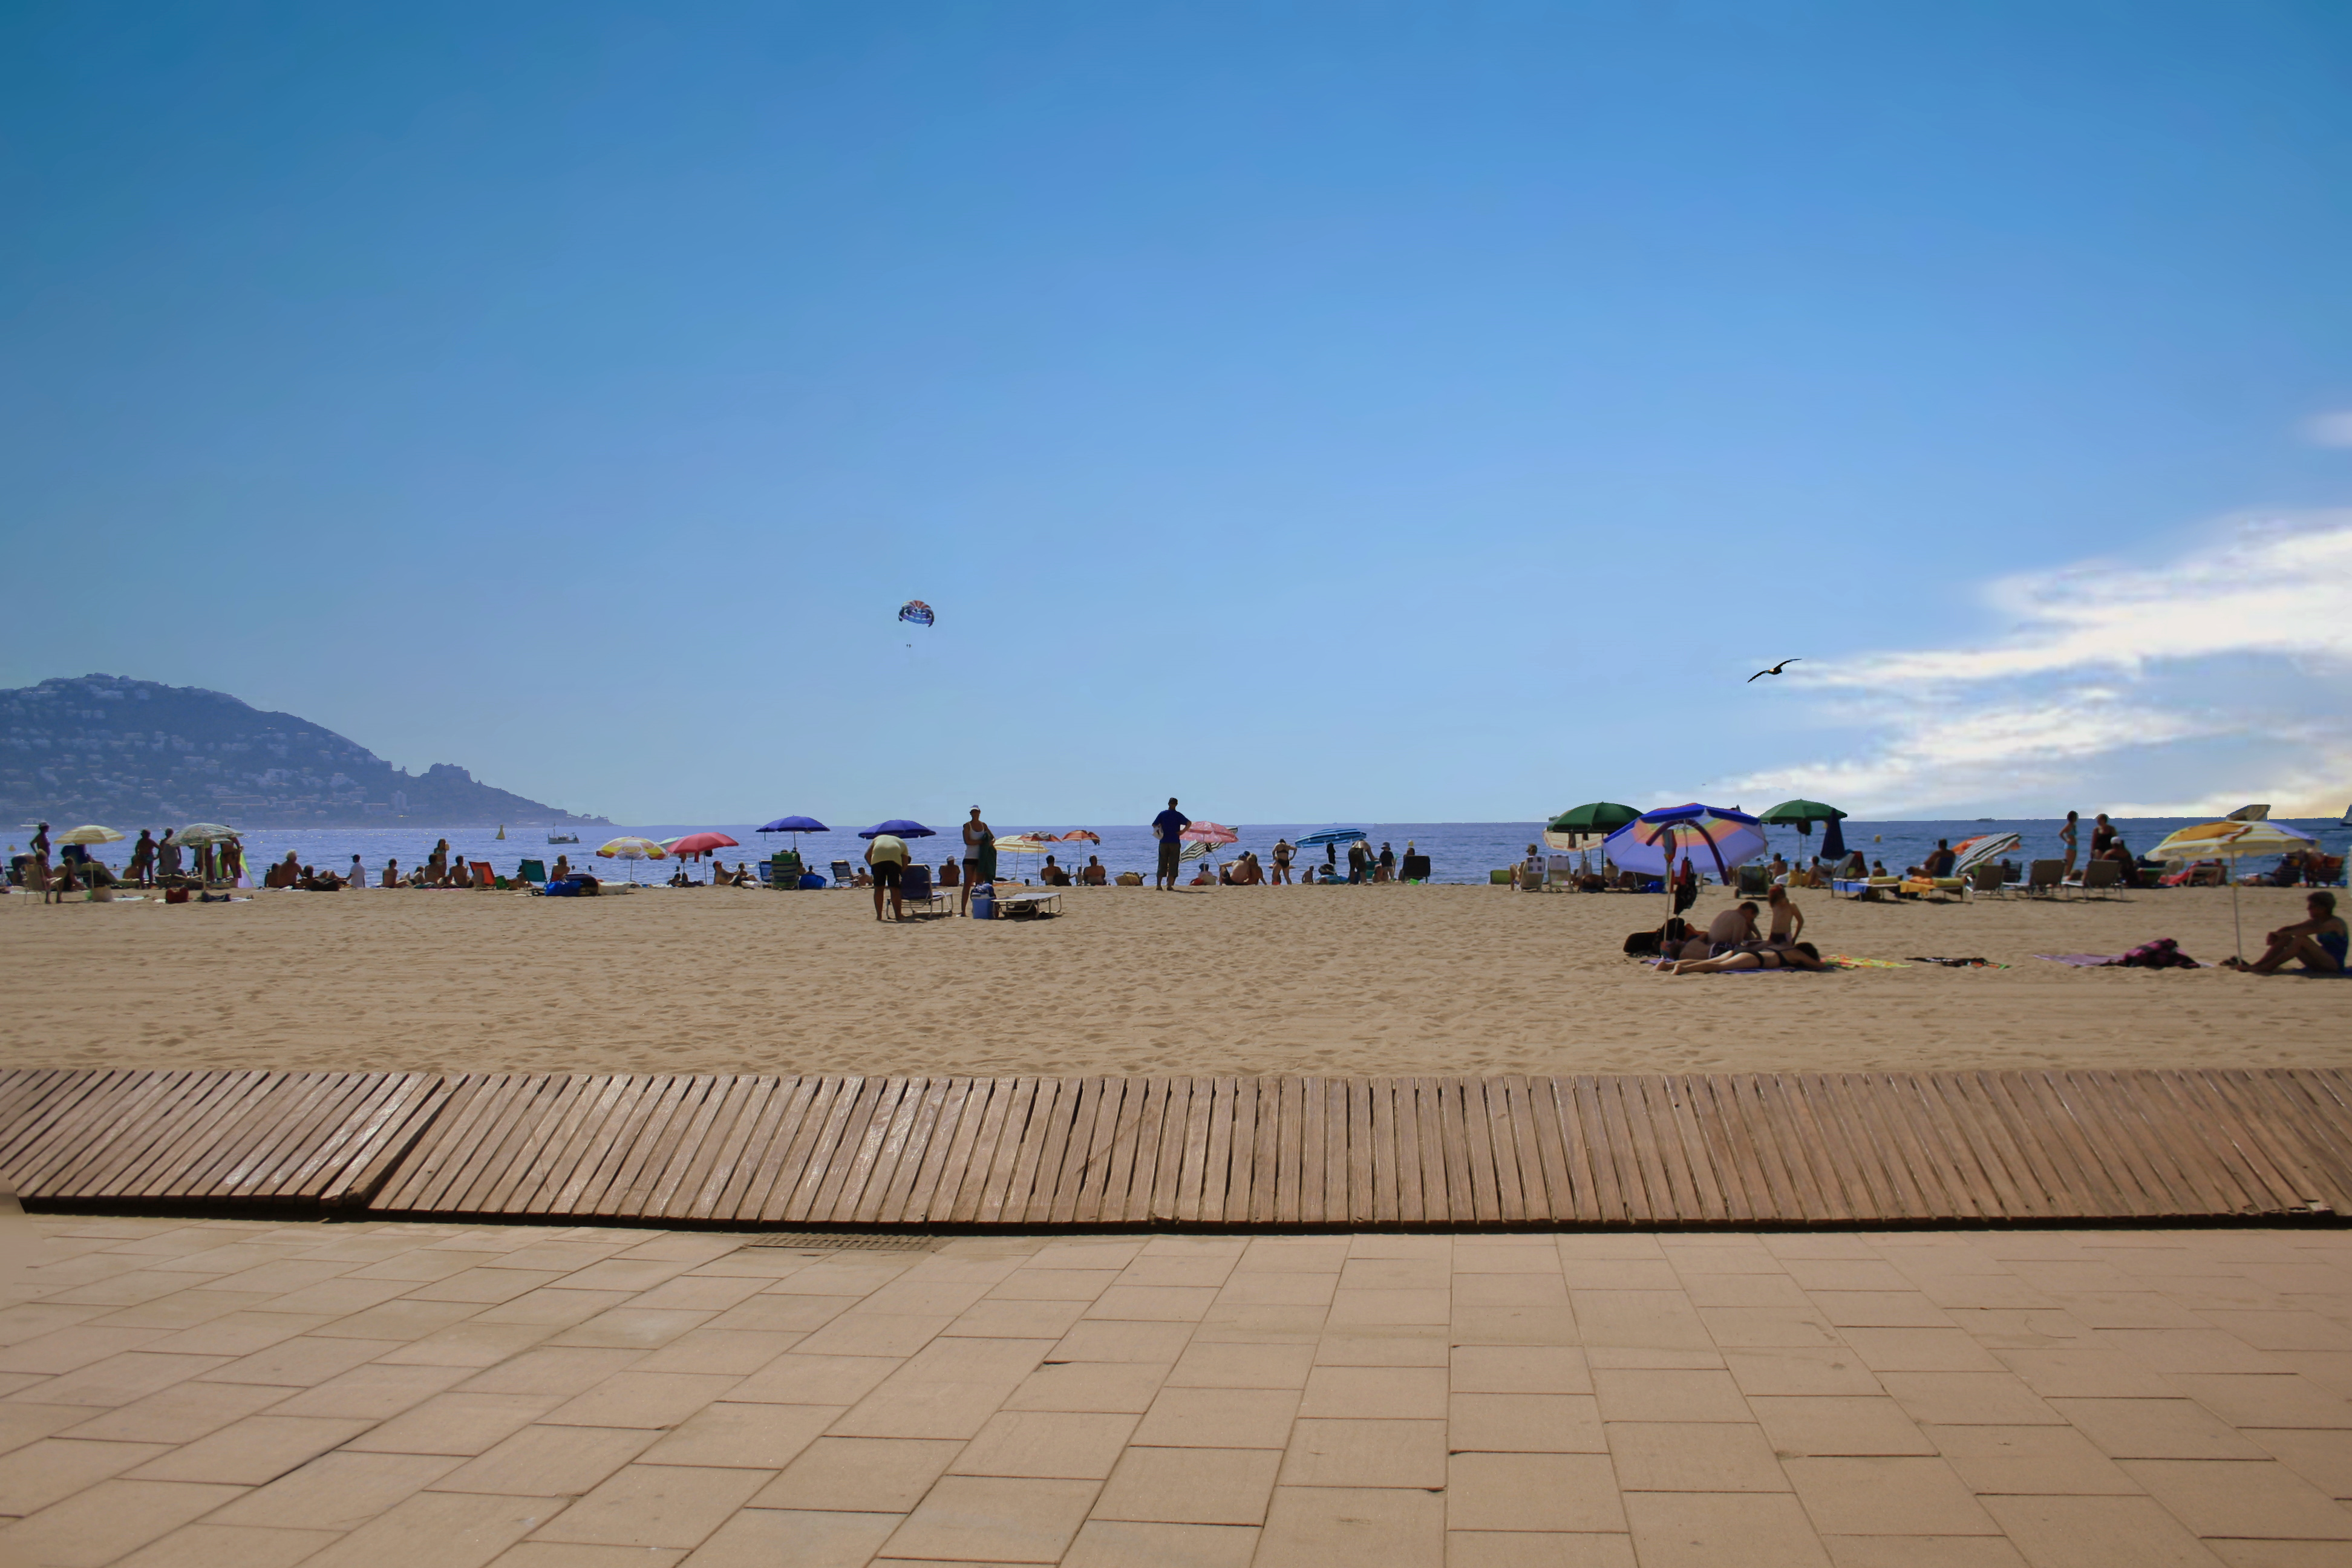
(41, 1473)
(1922, 1551)
(1572, 1492)
(1661, 1319)
(1513, 1325)
(2260, 1500)
(2084, 1372)
(547, 1461)
(739, 1350)
(1623, 1274)
(2321, 1456)
(1051, 1285)
(1794, 1370)
(947, 1390)
(447, 1530)
(796, 1379)
(859, 1332)
(632, 1328)
(1694, 1457)
(487, 1286)
(1741, 1328)
(699, 1293)
(1219, 1418)
(1121, 1340)
(1525, 1424)
(1230, 1322)
(1646, 1396)
(239, 1334)
(2189, 1350)
(23, 1423)
(180, 1309)
(1112, 1387)
(661, 1399)
(992, 1518)
(253, 1451)
(1293, 1254)
(1350, 1527)
(472, 1344)
(555, 1306)
(300, 1362)
(210, 1545)
(656, 1505)
(1280, 1290)
(1189, 1486)
(1124, 1543)
(455, 1423)
(1886, 1496)
(372, 1393)
(1532, 1549)
(1394, 1344)
(1838, 1425)
(1227, 1365)
(2030, 1460)
(2097, 1533)
(2265, 1399)
(1969, 1399)
(862, 1474)
(1399, 1393)
(1710, 1529)
(104, 1522)
(759, 1435)
(1499, 1369)
(1395, 1274)
(1706, 1290)
(1046, 1445)
(401, 1320)
(180, 1413)
(337, 1491)
(1366, 1453)
(2155, 1429)
(805, 1538)
(570, 1555)
(548, 1370)
(122, 1379)
(998, 1319)
(1919, 1350)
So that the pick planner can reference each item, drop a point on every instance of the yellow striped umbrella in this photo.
(2233, 841)
(632, 848)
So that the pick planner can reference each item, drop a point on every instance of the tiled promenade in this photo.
(253, 1395)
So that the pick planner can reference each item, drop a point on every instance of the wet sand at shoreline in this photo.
(1371, 980)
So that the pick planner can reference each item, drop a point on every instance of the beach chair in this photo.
(2044, 877)
(2101, 876)
(843, 877)
(1985, 882)
(532, 871)
(915, 888)
(483, 876)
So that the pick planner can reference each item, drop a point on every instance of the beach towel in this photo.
(1842, 961)
(1961, 962)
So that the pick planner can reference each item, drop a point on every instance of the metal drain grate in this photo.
(843, 1241)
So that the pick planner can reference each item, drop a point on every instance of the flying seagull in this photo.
(1774, 670)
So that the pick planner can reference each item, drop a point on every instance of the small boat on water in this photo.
(563, 838)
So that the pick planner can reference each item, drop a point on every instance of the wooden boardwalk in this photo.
(752, 1149)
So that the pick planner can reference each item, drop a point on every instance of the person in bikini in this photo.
(1804, 955)
(2320, 942)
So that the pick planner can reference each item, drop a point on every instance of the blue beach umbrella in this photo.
(899, 825)
(795, 825)
(1331, 836)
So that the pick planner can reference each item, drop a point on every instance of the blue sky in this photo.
(1412, 413)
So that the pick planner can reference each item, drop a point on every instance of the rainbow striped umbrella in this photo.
(1653, 842)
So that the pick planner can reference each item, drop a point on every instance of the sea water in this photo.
(1458, 851)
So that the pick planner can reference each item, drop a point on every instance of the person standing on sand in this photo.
(978, 857)
(2103, 837)
(2066, 836)
(888, 854)
(1168, 827)
(142, 859)
(1282, 854)
(167, 855)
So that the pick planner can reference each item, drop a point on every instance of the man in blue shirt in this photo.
(1169, 824)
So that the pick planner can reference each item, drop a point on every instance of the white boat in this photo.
(563, 838)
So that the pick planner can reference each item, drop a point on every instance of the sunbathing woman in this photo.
(2320, 942)
(1804, 955)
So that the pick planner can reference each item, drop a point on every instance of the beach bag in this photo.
(1641, 943)
(563, 890)
(175, 895)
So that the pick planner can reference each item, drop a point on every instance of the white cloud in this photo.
(2231, 659)
(2333, 430)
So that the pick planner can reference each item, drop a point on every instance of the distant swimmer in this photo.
(1774, 670)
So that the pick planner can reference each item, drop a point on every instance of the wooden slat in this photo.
(1267, 1158)
(1194, 1169)
(1312, 1102)
(1168, 1164)
(1385, 1195)
(1360, 1151)
(949, 1145)
(1147, 1126)
(1242, 1158)
(972, 1186)
(995, 1195)
(1216, 1169)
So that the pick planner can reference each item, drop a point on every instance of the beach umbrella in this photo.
(1593, 818)
(1024, 844)
(633, 849)
(901, 826)
(795, 825)
(1652, 843)
(2233, 841)
(1970, 853)
(700, 844)
(1211, 834)
(1081, 836)
(1834, 842)
(90, 834)
(1802, 814)
(1329, 836)
(206, 833)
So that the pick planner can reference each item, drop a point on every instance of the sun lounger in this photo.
(1028, 903)
(1985, 882)
(841, 875)
(2101, 876)
(483, 876)
(2044, 877)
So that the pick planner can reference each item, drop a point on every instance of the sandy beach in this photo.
(1376, 980)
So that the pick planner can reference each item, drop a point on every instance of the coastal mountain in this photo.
(140, 753)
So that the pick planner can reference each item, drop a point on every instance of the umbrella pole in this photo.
(2237, 923)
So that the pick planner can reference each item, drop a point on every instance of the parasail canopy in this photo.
(916, 611)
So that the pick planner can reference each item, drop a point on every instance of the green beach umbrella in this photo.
(1799, 814)
(1598, 816)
